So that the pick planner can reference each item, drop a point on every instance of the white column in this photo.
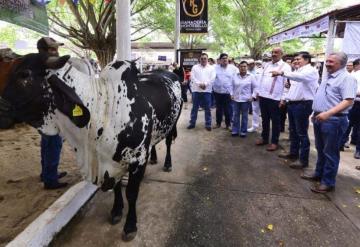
(123, 35)
(329, 43)
(177, 29)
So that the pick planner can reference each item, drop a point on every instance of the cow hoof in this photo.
(153, 162)
(167, 169)
(128, 237)
(115, 219)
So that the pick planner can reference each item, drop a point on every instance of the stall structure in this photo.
(338, 23)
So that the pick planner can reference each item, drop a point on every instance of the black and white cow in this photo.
(112, 121)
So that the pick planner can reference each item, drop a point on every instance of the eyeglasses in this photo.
(203, 58)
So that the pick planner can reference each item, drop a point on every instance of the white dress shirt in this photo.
(273, 87)
(304, 83)
(223, 80)
(242, 87)
(356, 75)
(257, 74)
(202, 75)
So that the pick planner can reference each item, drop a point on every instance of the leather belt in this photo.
(299, 102)
(335, 115)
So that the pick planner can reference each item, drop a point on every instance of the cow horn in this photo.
(56, 62)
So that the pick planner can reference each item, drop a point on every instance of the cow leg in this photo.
(132, 191)
(167, 165)
(118, 206)
(153, 155)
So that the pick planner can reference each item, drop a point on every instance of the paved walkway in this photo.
(225, 191)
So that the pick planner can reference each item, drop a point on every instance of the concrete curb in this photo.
(42, 230)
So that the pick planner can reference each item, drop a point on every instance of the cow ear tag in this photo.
(77, 111)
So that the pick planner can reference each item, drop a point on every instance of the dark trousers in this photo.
(283, 112)
(270, 110)
(328, 136)
(50, 158)
(184, 89)
(354, 125)
(204, 100)
(299, 114)
(223, 107)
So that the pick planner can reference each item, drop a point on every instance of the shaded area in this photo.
(223, 191)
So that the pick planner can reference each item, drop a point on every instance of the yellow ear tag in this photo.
(77, 111)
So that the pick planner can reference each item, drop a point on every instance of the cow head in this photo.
(32, 98)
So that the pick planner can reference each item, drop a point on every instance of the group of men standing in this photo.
(237, 88)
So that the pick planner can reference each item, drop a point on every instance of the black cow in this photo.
(111, 122)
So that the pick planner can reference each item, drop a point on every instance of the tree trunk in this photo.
(105, 55)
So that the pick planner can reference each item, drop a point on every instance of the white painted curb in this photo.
(42, 230)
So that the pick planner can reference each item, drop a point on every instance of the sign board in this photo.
(193, 16)
(301, 31)
(189, 58)
(161, 58)
(26, 13)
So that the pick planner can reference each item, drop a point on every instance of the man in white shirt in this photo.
(299, 98)
(222, 87)
(350, 67)
(270, 92)
(255, 68)
(202, 78)
(354, 113)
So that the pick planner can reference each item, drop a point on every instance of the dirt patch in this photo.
(22, 196)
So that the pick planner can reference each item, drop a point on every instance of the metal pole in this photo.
(123, 36)
(177, 30)
(347, 21)
(329, 44)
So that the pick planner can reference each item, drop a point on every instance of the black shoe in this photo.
(310, 176)
(54, 186)
(217, 126)
(60, 175)
(234, 134)
(288, 156)
(190, 127)
(298, 165)
(208, 128)
(342, 149)
(357, 155)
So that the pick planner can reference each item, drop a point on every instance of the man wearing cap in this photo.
(50, 145)
(270, 91)
(299, 99)
(222, 88)
(332, 102)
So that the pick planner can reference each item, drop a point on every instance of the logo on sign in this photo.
(193, 9)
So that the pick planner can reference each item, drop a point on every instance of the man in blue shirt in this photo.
(222, 88)
(331, 105)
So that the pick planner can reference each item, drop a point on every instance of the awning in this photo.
(318, 25)
(26, 13)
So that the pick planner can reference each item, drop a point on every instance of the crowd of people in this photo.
(270, 91)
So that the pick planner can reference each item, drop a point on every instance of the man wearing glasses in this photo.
(202, 78)
(299, 98)
(331, 105)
